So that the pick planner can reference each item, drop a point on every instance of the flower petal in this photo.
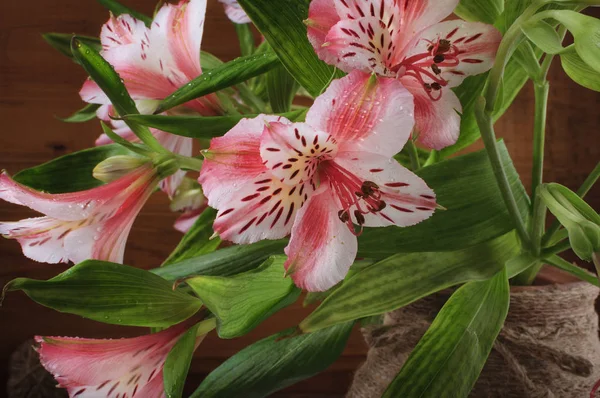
(187, 220)
(235, 12)
(420, 14)
(437, 122)
(42, 238)
(322, 248)
(181, 26)
(322, 16)
(234, 159)
(292, 152)
(261, 208)
(93, 94)
(408, 199)
(475, 45)
(90, 368)
(365, 113)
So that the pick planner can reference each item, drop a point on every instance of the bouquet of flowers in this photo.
(359, 199)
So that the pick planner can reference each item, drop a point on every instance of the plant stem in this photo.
(582, 192)
(415, 162)
(189, 163)
(486, 126)
(557, 248)
(542, 90)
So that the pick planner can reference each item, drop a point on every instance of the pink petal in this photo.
(365, 114)
(187, 220)
(90, 368)
(475, 43)
(418, 15)
(322, 248)
(41, 239)
(91, 93)
(235, 12)
(364, 44)
(261, 208)
(322, 16)
(233, 160)
(182, 27)
(292, 152)
(122, 30)
(408, 199)
(437, 122)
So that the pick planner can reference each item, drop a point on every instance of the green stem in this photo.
(542, 90)
(486, 126)
(582, 192)
(557, 248)
(574, 270)
(415, 162)
(189, 163)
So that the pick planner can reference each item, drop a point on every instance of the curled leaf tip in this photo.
(440, 207)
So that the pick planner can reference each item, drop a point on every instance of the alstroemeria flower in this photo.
(405, 39)
(235, 12)
(322, 181)
(78, 226)
(153, 63)
(92, 368)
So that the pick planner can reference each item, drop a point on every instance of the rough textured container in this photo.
(549, 345)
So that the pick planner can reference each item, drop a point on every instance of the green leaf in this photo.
(85, 114)
(526, 57)
(275, 363)
(209, 61)
(112, 85)
(520, 263)
(544, 36)
(243, 301)
(281, 22)
(246, 38)
(69, 173)
(180, 357)
(226, 75)
(225, 262)
(111, 293)
(449, 358)
(586, 31)
(476, 213)
(281, 88)
(62, 42)
(196, 242)
(574, 270)
(486, 11)
(579, 71)
(204, 127)
(404, 278)
(117, 9)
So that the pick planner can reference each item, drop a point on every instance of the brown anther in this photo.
(382, 205)
(430, 49)
(444, 46)
(369, 187)
(360, 219)
(436, 69)
(436, 86)
(359, 194)
(438, 59)
(427, 87)
(344, 216)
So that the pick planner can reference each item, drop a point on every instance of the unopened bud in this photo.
(116, 167)
(189, 196)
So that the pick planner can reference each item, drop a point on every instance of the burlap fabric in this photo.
(549, 346)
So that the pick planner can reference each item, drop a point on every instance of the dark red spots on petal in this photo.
(387, 218)
(250, 197)
(376, 170)
(297, 133)
(277, 191)
(273, 149)
(277, 165)
(303, 139)
(226, 212)
(134, 390)
(360, 11)
(396, 184)
(424, 208)
(151, 375)
(287, 166)
(292, 191)
(79, 392)
(452, 33)
(102, 385)
(262, 189)
(274, 207)
(428, 197)
(472, 61)
(473, 38)
(113, 388)
(289, 215)
(260, 220)
(294, 174)
(402, 209)
(293, 160)
(245, 227)
(265, 200)
(277, 217)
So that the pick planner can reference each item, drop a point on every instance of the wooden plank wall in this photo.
(37, 84)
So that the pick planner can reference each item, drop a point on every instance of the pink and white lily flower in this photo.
(235, 12)
(125, 368)
(405, 39)
(322, 181)
(78, 226)
(153, 63)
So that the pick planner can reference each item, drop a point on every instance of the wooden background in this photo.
(37, 84)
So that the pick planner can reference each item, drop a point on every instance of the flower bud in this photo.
(188, 197)
(116, 167)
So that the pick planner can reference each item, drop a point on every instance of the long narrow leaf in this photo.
(449, 358)
(221, 77)
(117, 9)
(281, 22)
(62, 42)
(405, 278)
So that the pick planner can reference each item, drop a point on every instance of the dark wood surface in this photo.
(37, 84)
